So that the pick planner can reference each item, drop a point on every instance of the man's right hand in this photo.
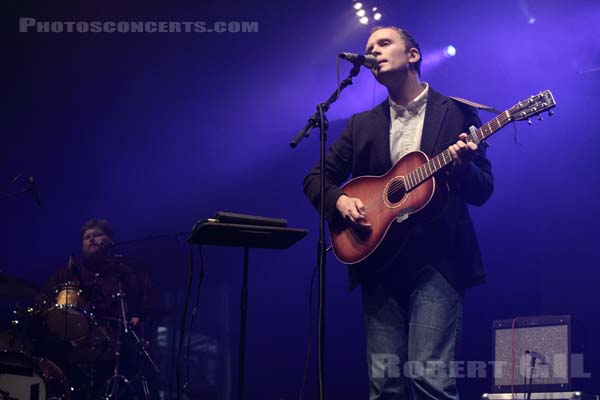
(352, 209)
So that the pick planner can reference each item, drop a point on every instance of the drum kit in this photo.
(60, 323)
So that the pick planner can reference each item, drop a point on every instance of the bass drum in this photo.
(29, 378)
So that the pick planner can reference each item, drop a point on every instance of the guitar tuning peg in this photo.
(550, 113)
(539, 117)
(529, 121)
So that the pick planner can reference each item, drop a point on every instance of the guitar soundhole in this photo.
(395, 191)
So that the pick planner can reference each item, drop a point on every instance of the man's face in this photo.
(391, 52)
(96, 243)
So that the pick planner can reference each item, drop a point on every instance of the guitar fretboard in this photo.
(442, 160)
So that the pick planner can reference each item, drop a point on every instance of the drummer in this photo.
(98, 271)
(96, 277)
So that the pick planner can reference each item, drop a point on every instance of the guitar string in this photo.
(426, 170)
(422, 170)
(400, 184)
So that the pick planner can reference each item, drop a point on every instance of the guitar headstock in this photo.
(532, 106)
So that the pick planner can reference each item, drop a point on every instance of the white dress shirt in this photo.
(406, 127)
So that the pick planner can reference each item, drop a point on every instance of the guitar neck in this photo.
(442, 160)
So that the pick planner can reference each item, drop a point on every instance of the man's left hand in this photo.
(462, 152)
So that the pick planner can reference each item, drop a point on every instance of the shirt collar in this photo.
(415, 107)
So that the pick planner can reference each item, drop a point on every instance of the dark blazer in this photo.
(448, 240)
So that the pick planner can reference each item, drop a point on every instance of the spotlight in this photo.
(531, 20)
(450, 51)
(367, 11)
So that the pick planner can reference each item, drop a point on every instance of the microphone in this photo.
(537, 355)
(33, 190)
(368, 60)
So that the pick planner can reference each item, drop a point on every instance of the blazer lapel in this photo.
(435, 113)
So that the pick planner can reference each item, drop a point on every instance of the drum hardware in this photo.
(113, 390)
(19, 336)
(143, 350)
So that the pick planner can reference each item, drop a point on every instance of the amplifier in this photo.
(532, 353)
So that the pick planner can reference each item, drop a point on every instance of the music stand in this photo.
(247, 236)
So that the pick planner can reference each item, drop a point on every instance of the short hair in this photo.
(409, 42)
(101, 224)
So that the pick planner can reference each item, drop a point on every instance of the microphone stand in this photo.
(15, 194)
(532, 368)
(319, 119)
(112, 385)
(29, 189)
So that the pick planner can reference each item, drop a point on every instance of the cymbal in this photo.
(13, 288)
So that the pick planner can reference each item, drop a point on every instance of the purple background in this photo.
(156, 131)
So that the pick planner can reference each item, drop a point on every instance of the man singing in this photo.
(412, 291)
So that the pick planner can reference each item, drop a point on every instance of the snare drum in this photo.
(71, 315)
(24, 377)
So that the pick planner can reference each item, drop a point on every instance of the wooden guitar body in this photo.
(386, 201)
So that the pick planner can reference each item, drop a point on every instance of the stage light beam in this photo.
(357, 6)
(364, 20)
(377, 16)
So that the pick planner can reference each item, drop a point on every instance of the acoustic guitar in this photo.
(409, 186)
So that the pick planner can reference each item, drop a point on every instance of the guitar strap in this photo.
(476, 105)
